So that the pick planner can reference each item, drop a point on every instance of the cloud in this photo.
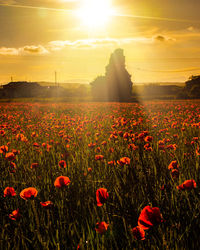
(161, 38)
(191, 28)
(26, 50)
(32, 49)
(94, 43)
(58, 45)
(8, 51)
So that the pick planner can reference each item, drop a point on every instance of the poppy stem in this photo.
(38, 225)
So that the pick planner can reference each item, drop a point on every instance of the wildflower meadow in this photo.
(100, 175)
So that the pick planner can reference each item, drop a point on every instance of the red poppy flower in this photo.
(15, 151)
(101, 227)
(34, 165)
(111, 150)
(197, 151)
(34, 134)
(99, 157)
(36, 145)
(187, 185)
(120, 133)
(12, 167)
(61, 181)
(10, 156)
(148, 148)
(15, 215)
(171, 146)
(91, 145)
(148, 138)
(101, 196)
(123, 161)
(149, 217)
(126, 135)
(2, 132)
(62, 164)
(28, 193)
(9, 192)
(98, 150)
(132, 147)
(111, 163)
(163, 187)
(138, 233)
(3, 149)
(46, 204)
(173, 165)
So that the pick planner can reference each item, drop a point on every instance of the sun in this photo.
(95, 13)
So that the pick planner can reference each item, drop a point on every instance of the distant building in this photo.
(20, 84)
(21, 89)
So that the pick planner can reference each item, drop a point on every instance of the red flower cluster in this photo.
(99, 157)
(124, 161)
(173, 166)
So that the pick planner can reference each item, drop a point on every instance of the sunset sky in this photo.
(161, 39)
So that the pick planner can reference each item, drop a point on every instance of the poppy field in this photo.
(100, 175)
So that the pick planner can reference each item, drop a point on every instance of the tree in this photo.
(116, 85)
(99, 90)
(193, 81)
(192, 86)
(118, 80)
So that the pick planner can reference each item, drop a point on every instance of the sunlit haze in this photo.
(95, 13)
(160, 39)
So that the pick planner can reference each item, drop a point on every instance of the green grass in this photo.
(72, 219)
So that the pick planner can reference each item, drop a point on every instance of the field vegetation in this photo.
(100, 175)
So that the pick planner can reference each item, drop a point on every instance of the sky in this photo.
(160, 39)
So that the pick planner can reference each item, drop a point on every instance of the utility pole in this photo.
(55, 78)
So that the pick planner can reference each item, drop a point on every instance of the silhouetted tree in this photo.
(192, 86)
(116, 85)
(118, 80)
(99, 89)
(193, 81)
